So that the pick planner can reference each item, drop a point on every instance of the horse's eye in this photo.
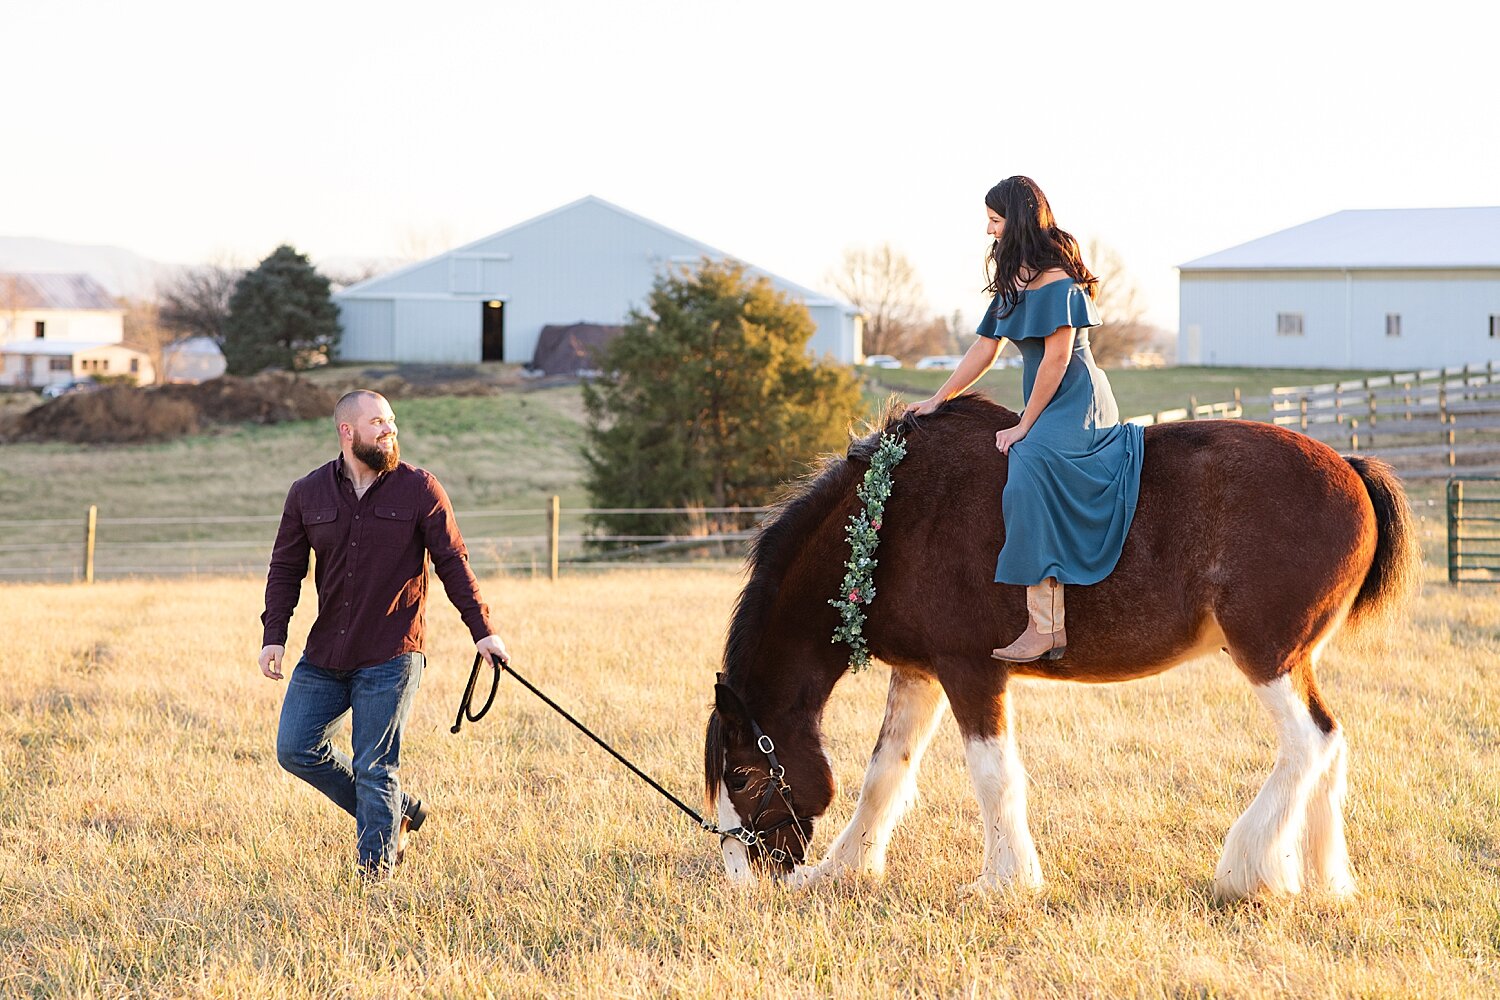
(737, 780)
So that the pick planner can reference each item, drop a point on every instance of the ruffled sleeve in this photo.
(1040, 312)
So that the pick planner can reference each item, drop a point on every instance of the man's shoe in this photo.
(411, 822)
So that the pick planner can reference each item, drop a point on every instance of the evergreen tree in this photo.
(710, 400)
(280, 316)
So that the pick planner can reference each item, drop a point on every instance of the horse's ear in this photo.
(731, 709)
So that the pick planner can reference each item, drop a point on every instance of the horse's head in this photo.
(767, 782)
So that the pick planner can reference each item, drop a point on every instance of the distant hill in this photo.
(122, 272)
(127, 274)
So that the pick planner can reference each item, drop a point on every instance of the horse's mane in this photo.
(806, 503)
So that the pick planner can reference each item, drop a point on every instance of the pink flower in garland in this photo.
(854, 596)
(875, 525)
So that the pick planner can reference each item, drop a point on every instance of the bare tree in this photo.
(1125, 330)
(882, 284)
(196, 302)
(145, 331)
(420, 242)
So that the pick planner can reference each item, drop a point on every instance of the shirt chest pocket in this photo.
(321, 524)
(392, 526)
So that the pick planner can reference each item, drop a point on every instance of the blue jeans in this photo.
(365, 785)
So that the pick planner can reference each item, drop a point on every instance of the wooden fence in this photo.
(1425, 423)
(539, 541)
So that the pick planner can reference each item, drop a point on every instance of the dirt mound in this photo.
(269, 398)
(121, 414)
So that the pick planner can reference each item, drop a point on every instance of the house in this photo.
(587, 262)
(56, 327)
(1379, 289)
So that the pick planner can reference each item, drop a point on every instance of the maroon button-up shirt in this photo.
(372, 584)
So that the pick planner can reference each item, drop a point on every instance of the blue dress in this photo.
(1074, 479)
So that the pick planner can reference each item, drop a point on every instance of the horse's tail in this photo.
(1396, 572)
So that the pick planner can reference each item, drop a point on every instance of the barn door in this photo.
(493, 339)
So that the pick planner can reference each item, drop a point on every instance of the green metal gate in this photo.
(1474, 529)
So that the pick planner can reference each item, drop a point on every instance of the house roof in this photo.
(44, 290)
(809, 296)
(1372, 238)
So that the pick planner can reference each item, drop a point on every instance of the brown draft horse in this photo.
(1247, 538)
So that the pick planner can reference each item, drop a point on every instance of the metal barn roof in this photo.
(1396, 238)
(38, 290)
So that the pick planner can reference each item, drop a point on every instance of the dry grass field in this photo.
(151, 846)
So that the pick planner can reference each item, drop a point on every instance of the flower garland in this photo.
(864, 527)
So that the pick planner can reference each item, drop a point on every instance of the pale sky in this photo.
(779, 132)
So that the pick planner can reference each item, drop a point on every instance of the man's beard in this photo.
(370, 453)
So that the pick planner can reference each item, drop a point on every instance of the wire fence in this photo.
(543, 541)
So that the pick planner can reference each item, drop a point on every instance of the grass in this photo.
(153, 847)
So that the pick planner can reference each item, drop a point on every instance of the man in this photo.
(370, 518)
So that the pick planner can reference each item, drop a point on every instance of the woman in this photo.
(1075, 470)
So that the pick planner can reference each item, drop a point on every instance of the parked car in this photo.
(882, 361)
(944, 361)
(72, 385)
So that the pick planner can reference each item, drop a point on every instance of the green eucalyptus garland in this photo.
(864, 536)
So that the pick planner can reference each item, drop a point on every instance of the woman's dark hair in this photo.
(1031, 244)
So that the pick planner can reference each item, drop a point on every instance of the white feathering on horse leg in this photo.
(1263, 850)
(736, 854)
(1000, 782)
(1325, 852)
(914, 707)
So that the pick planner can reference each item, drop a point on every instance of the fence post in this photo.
(90, 529)
(554, 515)
(1239, 406)
(1452, 457)
(1406, 387)
(1354, 434)
(1443, 403)
(1372, 409)
(1302, 409)
(1455, 514)
(1192, 407)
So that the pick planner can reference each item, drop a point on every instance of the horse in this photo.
(1247, 538)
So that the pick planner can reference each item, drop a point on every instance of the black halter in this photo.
(752, 834)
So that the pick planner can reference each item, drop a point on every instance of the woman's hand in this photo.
(1004, 439)
(924, 407)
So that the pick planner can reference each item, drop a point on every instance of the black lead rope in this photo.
(499, 665)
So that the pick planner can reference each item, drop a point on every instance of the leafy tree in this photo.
(281, 316)
(709, 400)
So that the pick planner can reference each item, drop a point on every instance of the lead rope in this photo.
(499, 665)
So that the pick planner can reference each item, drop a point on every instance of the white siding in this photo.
(83, 326)
(369, 329)
(1444, 317)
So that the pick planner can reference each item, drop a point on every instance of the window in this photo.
(1289, 324)
(1494, 325)
(60, 364)
(135, 365)
(41, 329)
(1393, 324)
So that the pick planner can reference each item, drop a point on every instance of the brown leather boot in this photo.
(1045, 635)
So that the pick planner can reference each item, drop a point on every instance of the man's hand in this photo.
(270, 661)
(491, 648)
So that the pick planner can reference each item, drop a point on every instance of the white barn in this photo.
(588, 261)
(1382, 288)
